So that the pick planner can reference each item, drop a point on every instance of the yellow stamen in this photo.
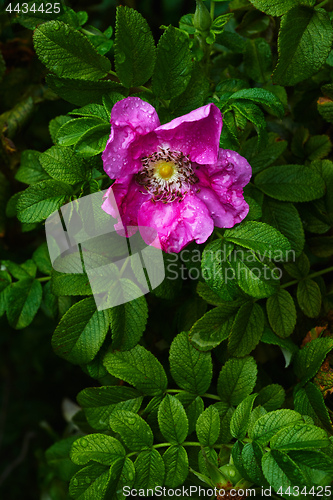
(165, 170)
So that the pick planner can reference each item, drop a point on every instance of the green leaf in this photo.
(23, 301)
(81, 92)
(259, 237)
(99, 403)
(193, 405)
(270, 424)
(31, 171)
(172, 420)
(325, 108)
(309, 359)
(261, 96)
(208, 426)
(97, 447)
(173, 66)
(282, 472)
(240, 419)
(150, 470)
(128, 322)
(251, 456)
(285, 218)
(291, 183)
(255, 278)
(299, 437)
(194, 96)
(42, 259)
(278, 7)
(246, 330)
(225, 412)
(304, 42)
(317, 147)
(40, 200)
(271, 397)
(57, 456)
(216, 270)
(138, 367)
(258, 61)
(133, 430)
(18, 271)
(300, 268)
(135, 51)
(176, 466)
(64, 165)
(237, 380)
(288, 348)
(281, 313)
(191, 369)
(309, 297)
(260, 159)
(316, 460)
(68, 53)
(308, 400)
(93, 111)
(213, 327)
(71, 131)
(93, 141)
(90, 482)
(81, 332)
(252, 113)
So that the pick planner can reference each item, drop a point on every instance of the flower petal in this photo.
(130, 118)
(221, 188)
(196, 134)
(177, 223)
(128, 198)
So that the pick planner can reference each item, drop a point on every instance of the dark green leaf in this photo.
(281, 313)
(237, 380)
(138, 367)
(23, 301)
(246, 330)
(40, 200)
(304, 42)
(135, 51)
(291, 183)
(81, 332)
(173, 66)
(191, 369)
(172, 420)
(68, 53)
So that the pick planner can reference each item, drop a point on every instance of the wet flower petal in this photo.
(179, 223)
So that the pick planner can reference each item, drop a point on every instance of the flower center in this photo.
(166, 175)
(165, 170)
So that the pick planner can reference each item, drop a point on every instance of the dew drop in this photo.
(121, 57)
(76, 482)
(88, 480)
(84, 442)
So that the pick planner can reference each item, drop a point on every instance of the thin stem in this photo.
(313, 275)
(186, 443)
(212, 9)
(322, 3)
(144, 89)
(113, 73)
(46, 278)
(100, 177)
(211, 396)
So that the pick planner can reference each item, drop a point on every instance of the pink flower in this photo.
(173, 177)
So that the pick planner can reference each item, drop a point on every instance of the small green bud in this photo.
(202, 20)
